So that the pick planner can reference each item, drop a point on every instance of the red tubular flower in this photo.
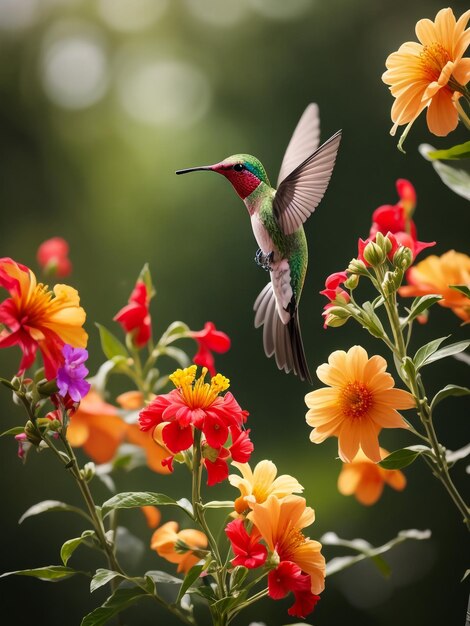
(217, 470)
(135, 316)
(209, 340)
(35, 317)
(396, 219)
(52, 256)
(332, 286)
(242, 446)
(249, 552)
(289, 577)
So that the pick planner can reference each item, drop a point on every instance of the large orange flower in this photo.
(35, 317)
(435, 274)
(366, 480)
(97, 427)
(430, 74)
(359, 402)
(177, 547)
(280, 523)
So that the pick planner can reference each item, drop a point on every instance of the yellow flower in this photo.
(359, 402)
(177, 547)
(280, 523)
(366, 480)
(256, 485)
(430, 74)
(435, 274)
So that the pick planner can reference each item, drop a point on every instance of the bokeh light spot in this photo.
(131, 15)
(74, 70)
(164, 92)
(17, 14)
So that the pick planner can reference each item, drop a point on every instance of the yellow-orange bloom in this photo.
(177, 547)
(366, 480)
(359, 402)
(36, 317)
(430, 74)
(97, 427)
(280, 523)
(435, 274)
(256, 485)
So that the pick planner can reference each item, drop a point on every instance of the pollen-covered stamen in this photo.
(433, 59)
(199, 394)
(291, 541)
(356, 399)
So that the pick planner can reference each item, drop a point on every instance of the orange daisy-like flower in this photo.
(97, 427)
(178, 547)
(430, 74)
(366, 480)
(359, 402)
(256, 485)
(435, 274)
(35, 317)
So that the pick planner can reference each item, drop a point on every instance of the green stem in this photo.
(416, 387)
(199, 513)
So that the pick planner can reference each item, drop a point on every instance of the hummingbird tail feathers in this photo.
(284, 341)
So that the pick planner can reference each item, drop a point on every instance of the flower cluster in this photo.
(37, 318)
(135, 316)
(268, 533)
(196, 404)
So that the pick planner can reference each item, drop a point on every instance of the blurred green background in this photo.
(100, 101)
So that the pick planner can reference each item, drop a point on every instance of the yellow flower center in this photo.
(433, 58)
(198, 395)
(355, 400)
(289, 543)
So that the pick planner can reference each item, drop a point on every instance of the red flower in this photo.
(52, 256)
(209, 340)
(135, 316)
(289, 577)
(36, 317)
(361, 245)
(396, 219)
(249, 552)
(196, 404)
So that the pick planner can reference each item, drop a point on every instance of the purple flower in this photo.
(70, 377)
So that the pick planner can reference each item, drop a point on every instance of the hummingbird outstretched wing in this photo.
(301, 191)
(304, 142)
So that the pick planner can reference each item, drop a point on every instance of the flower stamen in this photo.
(356, 399)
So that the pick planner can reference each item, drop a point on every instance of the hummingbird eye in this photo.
(239, 167)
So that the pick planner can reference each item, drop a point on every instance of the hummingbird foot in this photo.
(264, 260)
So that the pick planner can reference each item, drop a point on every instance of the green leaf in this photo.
(462, 288)
(449, 390)
(178, 355)
(117, 602)
(102, 577)
(163, 577)
(51, 573)
(426, 351)
(133, 499)
(71, 545)
(219, 504)
(450, 350)
(51, 505)
(173, 332)
(16, 430)
(404, 457)
(110, 344)
(461, 151)
(420, 305)
(189, 579)
(365, 549)
(454, 176)
(457, 455)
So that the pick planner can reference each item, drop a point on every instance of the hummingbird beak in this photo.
(195, 169)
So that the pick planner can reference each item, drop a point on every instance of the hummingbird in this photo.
(277, 216)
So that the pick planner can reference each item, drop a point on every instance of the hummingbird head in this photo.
(244, 171)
